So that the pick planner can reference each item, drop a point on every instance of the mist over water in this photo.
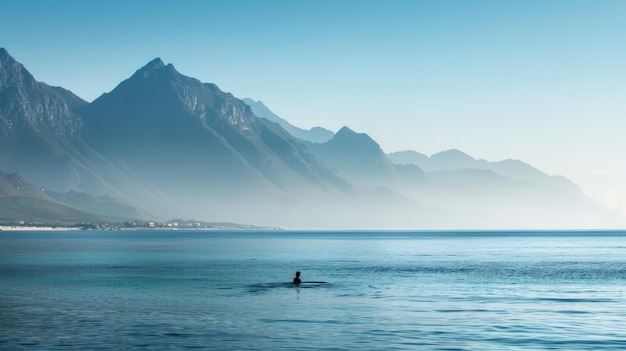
(386, 290)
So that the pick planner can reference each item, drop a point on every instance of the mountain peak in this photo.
(453, 154)
(12, 73)
(345, 131)
(357, 155)
(154, 64)
(156, 69)
(8, 63)
(347, 136)
(4, 53)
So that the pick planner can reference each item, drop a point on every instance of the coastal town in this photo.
(21, 225)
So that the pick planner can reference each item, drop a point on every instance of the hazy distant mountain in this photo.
(521, 204)
(454, 160)
(315, 134)
(512, 191)
(409, 157)
(508, 194)
(359, 157)
(25, 210)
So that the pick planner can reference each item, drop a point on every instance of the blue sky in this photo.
(540, 81)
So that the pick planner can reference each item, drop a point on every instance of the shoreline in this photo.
(15, 228)
(25, 228)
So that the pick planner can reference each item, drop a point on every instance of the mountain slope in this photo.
(31, 210)
(13, 185)
(22, 201)
(100, 205)
(314, 135)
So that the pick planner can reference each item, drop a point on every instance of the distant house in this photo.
(151, 224)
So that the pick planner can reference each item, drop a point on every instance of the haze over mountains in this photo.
(163, 145)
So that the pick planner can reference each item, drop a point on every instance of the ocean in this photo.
(177, 290)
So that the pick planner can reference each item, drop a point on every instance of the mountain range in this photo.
(164, 145)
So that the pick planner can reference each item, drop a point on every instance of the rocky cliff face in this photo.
(39, 131)
(33, 107)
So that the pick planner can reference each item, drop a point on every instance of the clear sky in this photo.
(535, 80)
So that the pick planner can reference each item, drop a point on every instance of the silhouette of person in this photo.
(296, 280)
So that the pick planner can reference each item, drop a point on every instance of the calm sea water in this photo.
(386, 290)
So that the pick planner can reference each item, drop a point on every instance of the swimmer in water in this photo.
(296, 280)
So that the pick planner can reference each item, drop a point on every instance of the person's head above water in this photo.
(297, 278)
